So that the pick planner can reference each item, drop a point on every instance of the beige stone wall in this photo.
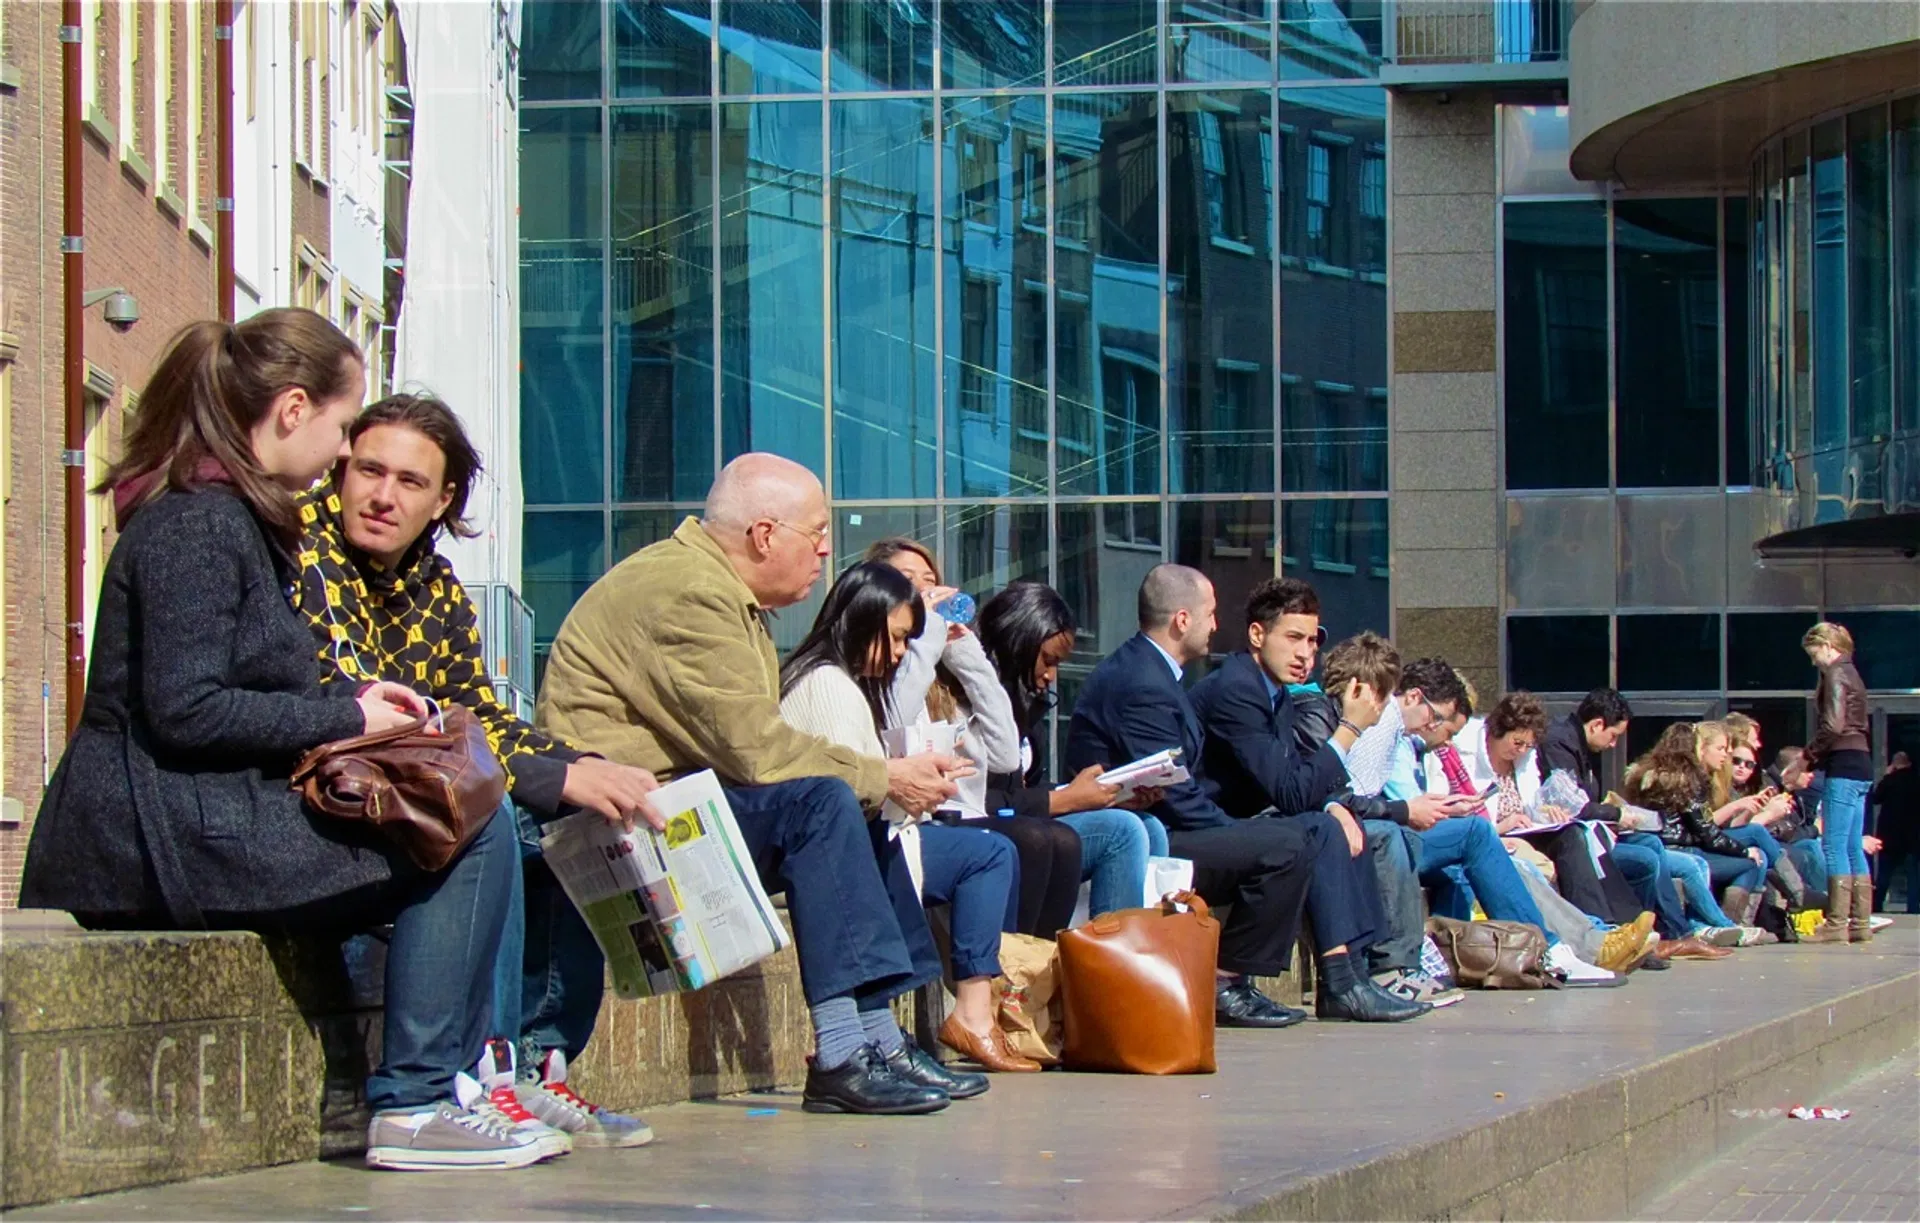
(1444, 293)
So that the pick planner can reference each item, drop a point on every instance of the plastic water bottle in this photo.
(957, 608)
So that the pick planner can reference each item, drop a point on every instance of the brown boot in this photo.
(1741, 905)
(1835, 928)
(1860, 922)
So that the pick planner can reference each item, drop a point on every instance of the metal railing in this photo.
(1435, 32)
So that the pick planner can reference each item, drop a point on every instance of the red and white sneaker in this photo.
(502, 1102)
(549, 1098)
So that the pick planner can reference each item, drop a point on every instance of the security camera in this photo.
(122, 311)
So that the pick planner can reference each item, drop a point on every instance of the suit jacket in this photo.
(1564, 746)
(1132, 706)
(1250, 751)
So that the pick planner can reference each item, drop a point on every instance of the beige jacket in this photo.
(666, 663)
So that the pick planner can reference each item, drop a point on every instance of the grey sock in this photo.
(881, 1030)
(837, 1032)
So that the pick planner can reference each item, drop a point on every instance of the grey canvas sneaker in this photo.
(548, 1097)
(462, 1135)
(1418, 987)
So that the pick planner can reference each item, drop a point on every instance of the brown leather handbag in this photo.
(1493, 954)
(1137, 989)
(431, 793)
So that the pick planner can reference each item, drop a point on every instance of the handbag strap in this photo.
(313, 759)
(1193, 900)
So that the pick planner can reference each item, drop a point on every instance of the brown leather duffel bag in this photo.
(1493, 954)
(431, 793)
(1137, 989)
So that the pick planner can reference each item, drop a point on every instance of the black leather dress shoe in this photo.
(866, 1084)
(1364, 1002)
(1240, 1005)
(916, 1065)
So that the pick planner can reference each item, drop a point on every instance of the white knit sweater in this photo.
(826, 702)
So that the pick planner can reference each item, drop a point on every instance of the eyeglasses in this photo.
(814, 534)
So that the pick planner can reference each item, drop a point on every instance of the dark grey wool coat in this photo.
(172, 802)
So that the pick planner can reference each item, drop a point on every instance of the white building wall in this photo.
(263, 121)
(459, 326)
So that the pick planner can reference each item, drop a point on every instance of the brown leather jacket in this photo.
(1841, 700)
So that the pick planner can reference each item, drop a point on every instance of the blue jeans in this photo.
(1114, 847)
(1691, 870)
(1727, 871)
(440, 966)
(972, 871)
(1842, 818)
(1395, 855)
(1812, 861)
(1755, 836)
(1471, 844)
(1643, 862)
(550, 974)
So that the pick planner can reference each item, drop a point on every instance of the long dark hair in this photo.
(1013, 626)
(851, 623)
(214, 383)
(431, 418)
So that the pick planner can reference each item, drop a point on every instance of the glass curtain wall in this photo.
(1063, 288)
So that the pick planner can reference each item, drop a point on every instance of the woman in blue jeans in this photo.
(1672, 779)
(1028, 631)
(1841, 750)
(838, 684)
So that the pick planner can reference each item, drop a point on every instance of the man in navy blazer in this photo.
(1134, 705)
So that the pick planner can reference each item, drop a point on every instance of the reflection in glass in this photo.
(1104, 42)
(564, 553)
(1869, 256)
(1341, 547)
(1763, 651)
(770, 46)
(993, 44)
(661, 48)
(1670, 653)
(663, 303)
(1829, 285)
(1739, 379)
(1906, 261)
(1783, 721)
(881, 44)
(1886, 647)
(1107, 293)
(562, 297)
(1556, 344)
(989, 546)
(884, 412)
(855, 529)
(560, 50)
(1104, 554)
(1226, 40)
(1333, 439)
(1557, 653)
(1796, 249)
(993, 277)
(1329, 40)
(771, 209)
(635, 529)
(1234, 544)
(1220, 296)
(1667, 357)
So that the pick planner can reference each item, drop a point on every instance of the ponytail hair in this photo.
(214, 384)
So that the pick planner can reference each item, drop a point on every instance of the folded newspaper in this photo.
(672, 910)
(1155, 772)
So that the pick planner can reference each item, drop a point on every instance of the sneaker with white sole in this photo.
(1417, 987)
(451, 1136)
(1721, 936)
(498, 1081)
(1879, 923)
(548, 1097)
(1577, 972)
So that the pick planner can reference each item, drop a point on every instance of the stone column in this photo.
(1444, 294)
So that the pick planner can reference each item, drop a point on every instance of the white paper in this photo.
(671, 910)
(1155, 772)
(1163, 875)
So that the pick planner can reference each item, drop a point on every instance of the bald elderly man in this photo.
(667, 664)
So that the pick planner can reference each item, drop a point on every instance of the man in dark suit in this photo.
(1134, 705)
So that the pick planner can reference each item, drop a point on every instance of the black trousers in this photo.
(1049, 870)
(1269, 870)
(1608, 896)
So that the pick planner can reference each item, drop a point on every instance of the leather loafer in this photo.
(991, 1051)
(1365, 1002)
(1691, 947)
(1240, 1005)
(916, 1065)
(866, 1084)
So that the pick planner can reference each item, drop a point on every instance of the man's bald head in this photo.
(1176, 610)
(769, 515)
(759, 485)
